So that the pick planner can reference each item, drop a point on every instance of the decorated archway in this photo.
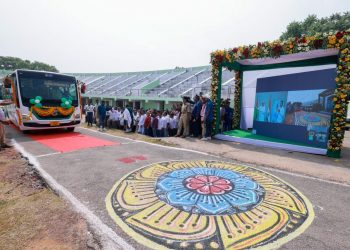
(321, 49)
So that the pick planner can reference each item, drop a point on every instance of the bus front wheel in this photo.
(70, 129)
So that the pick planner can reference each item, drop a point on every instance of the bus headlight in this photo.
(77, 116)
(26, 117)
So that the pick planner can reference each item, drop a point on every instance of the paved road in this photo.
(90, 173)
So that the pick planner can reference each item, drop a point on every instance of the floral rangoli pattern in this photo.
(207, 205)
(208, 190)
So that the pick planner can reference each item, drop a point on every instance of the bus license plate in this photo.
(54, 124)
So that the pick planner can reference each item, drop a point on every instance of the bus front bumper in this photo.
(35, 125)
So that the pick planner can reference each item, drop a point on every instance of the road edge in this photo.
(108, 238)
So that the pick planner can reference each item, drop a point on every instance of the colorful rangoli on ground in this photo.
(207, 205)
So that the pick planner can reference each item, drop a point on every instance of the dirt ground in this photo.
(31, 215)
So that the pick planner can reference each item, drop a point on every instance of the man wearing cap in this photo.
(184, 123)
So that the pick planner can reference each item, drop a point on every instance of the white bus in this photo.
(42, 100)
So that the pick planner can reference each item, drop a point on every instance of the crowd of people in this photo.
(192, 118)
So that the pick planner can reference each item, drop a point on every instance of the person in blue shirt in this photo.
(101, 111)
(228, 116)
(208, 116)
(196, 116)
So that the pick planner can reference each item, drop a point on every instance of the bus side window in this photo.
(72, 90)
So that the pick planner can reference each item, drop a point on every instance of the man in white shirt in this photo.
(85, 110)
(165, 123)
(127, 120)
(90, 114)
(85, 107)
(3, 121)
(173, 122)
(160, 125)
(141, 125)
(111, 120)
(121, 120)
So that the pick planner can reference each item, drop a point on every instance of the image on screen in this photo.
(295, 107)
(270, 107)
(308, 108)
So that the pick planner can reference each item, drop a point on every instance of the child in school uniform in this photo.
(165, 124)
(173, 123)
(160, 125)
(141, 125)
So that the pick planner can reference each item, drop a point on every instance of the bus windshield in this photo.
(51, 87)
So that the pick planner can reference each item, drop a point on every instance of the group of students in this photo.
(191, 118)
(149, 122)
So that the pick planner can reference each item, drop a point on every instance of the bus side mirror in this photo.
(7, 82)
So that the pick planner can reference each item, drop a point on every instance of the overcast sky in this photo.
(120, 36)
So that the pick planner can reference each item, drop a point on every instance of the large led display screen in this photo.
(295, 107)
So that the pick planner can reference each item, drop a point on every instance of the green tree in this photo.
(12, 63)
(312, 25)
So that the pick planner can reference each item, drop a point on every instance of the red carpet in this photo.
(69, 141)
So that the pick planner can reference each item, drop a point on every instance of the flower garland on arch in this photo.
(214, 88)
(237, 101)
(338, 40)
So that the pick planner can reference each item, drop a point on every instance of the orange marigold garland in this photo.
(237, 101)
(215, 73)
(336, 135)
(43, 111)
(65, 111)
(50, 111)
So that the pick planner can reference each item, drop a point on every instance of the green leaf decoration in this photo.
(32, 101)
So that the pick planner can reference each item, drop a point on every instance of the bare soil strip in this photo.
(31, 215)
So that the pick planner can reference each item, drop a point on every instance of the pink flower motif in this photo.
(208, 184)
